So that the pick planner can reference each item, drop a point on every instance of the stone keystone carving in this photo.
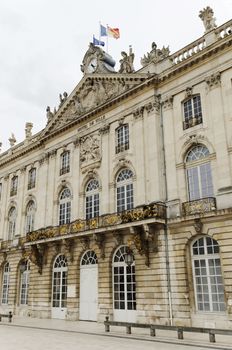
(155, 55)
(126, 63)
(206, 15)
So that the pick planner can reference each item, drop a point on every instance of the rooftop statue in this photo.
(126, 63)
(155, 55)
(206, 15)
(12, 140)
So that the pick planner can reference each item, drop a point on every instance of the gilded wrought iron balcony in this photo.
(13, 192)
(154, 210)
(192, 121)
(121, 148)
(31, 185)
(199, 206)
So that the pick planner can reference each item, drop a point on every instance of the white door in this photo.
(59, 288)
(124, 288)
(88, 287)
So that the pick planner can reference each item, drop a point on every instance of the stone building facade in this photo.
(122, 205)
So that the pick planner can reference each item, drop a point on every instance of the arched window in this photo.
(124, 185)
(89, 258)
(30, 216)
(24, 282)
(199, 176)
(60, 275)
(65, 162)
(208, 282)
(5, 283)
(92, 199)
(122, 138)
(124, 286)
(11, 223)
(65, 207)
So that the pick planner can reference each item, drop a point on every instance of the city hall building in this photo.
(122, 205)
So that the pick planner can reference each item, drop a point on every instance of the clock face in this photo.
(92, 66)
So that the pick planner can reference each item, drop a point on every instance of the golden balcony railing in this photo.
(153, 210)
(199, 206)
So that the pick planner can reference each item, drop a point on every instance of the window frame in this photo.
(31, 178)
(65, 207)
(12, 223)
(64, 162)
(124, 191)
(122, 138)
(204, 288)
(5, 284)
(199, 176)
(92, 199)
(192, 111)
(24, 283)
(14, 186)
(30, 216)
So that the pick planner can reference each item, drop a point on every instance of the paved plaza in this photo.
(37, 334)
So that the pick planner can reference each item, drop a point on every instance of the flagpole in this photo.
(107, 39)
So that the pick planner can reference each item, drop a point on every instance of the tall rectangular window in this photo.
(14, 186)
(31, 178)
(65, 163)
(122, 138)
(192, 112)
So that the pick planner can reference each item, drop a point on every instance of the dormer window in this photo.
(192, 112)
(31, 178)
(65, 162)
(14, 186)
(122, 138)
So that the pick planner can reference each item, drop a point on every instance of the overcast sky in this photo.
(42, 44)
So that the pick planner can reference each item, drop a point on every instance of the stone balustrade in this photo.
(188, 51)
(224, 30)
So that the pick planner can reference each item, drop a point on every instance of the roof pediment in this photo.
(93, 91)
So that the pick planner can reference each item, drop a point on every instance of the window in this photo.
(11, 223)
(92, 199)
(14, 186)
(208, 282)
(192, 112)
(31, 178)
(30, 216)
(65, 162)
(60, 276)
(65, 207)
(5, 283)
(199, 176)
(124, 285)
(24, 282)
(89, 258)
(125, 200)
(122, 138)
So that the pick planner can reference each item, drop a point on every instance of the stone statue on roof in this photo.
(126, 63)
(206, 15)
(155, 55)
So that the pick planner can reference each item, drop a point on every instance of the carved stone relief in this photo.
(90, 149)
(168, 102)
(214, 80)
(155, 55)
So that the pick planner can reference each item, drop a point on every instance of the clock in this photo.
(92, 66)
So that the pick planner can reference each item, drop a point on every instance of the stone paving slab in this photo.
(82, 329)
